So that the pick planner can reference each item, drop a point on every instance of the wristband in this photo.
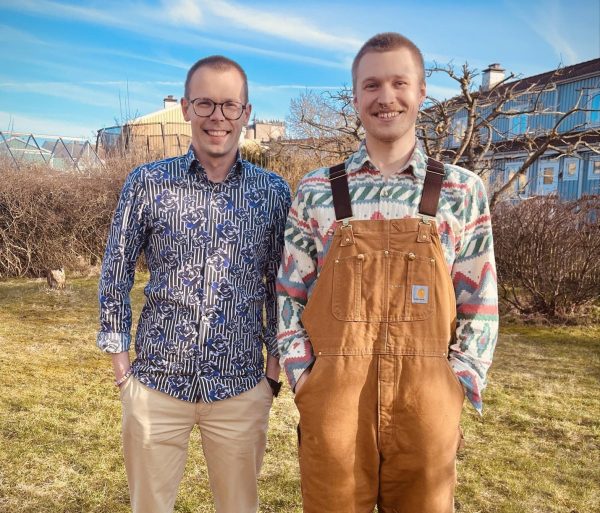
(124, 377)
(275, 386)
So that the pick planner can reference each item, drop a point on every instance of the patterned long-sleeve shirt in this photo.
(213, 251)
(463, 221)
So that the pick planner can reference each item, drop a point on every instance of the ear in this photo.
(185, 107)
(354, 101)
(422, 94)
(247, 112)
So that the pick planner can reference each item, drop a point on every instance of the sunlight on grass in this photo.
(536, 450)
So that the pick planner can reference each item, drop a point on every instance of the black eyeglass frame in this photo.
(215, 104)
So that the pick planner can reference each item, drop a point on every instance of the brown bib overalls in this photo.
(380, 410)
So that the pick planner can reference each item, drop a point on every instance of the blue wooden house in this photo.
(539, 104)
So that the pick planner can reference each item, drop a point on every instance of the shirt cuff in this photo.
(295, 369)
(470, 381)
(113, 342)
(271, 345)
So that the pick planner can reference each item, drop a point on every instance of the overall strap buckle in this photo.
(346, 233)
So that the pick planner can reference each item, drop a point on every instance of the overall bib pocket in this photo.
(383, 286)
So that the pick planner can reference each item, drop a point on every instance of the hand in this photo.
(120, 364)
(301, 380)
(273, 368)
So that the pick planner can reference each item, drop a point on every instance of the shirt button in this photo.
(385, 193)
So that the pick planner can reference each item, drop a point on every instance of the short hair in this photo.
(218, 62)
(386, 42)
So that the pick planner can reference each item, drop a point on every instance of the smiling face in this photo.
(215, 137)
(388, 93)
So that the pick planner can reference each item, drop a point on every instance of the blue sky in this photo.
(72, 67)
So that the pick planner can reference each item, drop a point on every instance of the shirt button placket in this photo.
(384, 202)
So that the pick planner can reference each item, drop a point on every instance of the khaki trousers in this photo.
(156, 432)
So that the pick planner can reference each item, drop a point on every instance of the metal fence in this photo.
(54, 151)
(157, 139)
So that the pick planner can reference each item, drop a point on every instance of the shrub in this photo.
(51, 219)
(548, 255)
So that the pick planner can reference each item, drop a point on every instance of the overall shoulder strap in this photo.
(338, 179)
(434, 177)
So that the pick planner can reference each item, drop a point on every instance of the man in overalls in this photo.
(388, 305)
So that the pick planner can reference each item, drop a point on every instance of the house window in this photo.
(498, 180)
(571, 169)
(519, 124)
(459, 127)
(521, 182)
(594, 173)
(548, 176)
(594, 106)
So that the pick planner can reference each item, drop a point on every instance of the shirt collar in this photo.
(191, 163)
(417, 164)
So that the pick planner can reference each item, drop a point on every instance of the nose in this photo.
(386, 94)
(217, 114)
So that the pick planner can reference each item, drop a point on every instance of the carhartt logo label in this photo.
(420, 294)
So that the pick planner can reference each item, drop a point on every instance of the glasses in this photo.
(204, 107)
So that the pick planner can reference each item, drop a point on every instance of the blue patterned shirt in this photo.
(213, 251)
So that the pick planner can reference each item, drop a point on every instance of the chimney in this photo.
(491, 76)
(169, 101)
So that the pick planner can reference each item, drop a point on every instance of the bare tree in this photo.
(324, 124)
(468, 129)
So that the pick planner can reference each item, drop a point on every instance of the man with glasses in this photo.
(211, 228)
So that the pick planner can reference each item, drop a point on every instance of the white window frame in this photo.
(565, 174)
(499, 175)
(510, 169)
(591, 175)
(459, 129)
(544, 188)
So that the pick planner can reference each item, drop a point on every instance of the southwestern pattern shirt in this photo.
(213, 250)
(463, 221)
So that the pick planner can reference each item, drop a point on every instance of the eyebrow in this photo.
(210, 99)
(404, 76)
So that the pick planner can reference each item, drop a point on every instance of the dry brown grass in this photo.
(535, 451)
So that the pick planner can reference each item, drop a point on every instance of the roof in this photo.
(17, 143)
(171, 114)
(559, 75)
(62, 150)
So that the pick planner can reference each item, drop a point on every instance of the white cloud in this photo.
(38, 125)
(8, 35)
(183, 11)
(546, 20)
(254, 87)
(74, 92)
(283, 25)
(138, 18)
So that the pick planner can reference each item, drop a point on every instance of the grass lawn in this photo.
(536, 450)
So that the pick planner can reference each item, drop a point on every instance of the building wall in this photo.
(569, 183)
(568, 177)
